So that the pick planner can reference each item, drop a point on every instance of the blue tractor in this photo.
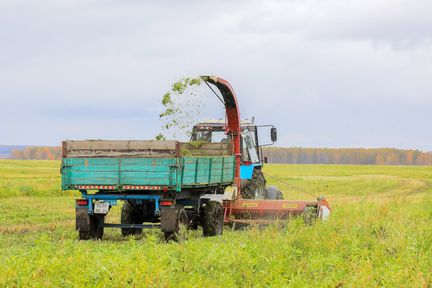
(253, 182)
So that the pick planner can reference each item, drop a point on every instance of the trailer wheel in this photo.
(130, 215)
(212, 219)
(96, 228)
(181, 225)
(84, 235)
(310, 215)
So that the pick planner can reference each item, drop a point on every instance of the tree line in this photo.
(355, 156)
(37, 153)
(296, 155)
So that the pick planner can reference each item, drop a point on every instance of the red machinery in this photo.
(248, 211)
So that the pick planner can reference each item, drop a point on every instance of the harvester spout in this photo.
(233, 117)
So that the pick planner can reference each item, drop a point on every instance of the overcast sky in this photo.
(327, 73)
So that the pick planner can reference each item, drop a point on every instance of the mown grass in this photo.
(379, 235)
(30, 178)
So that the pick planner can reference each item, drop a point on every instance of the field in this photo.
(379, 234)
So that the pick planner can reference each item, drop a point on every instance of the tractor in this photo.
(253, 182)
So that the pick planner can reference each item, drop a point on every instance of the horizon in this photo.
(271, 146)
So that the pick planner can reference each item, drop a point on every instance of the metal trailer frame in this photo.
(83, 211)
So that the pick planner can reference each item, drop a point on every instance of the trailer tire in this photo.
(182, 223)
(212, 219)
(84, 235)
(96, 228)
(130, 215)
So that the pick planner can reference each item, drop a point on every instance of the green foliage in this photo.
(160, 137)
(166, 100)
(197, 144)
(180, 109)
(194, 150)
(180, 86)
(378, 235)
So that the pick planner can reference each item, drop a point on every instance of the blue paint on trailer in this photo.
(113, 198)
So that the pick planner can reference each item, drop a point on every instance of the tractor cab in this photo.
(253, 181)
(215, 131)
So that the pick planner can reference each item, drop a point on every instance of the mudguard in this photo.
(82, 219)
(168, 216)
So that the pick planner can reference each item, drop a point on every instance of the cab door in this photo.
(249, 155)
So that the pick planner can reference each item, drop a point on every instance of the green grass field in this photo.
(379, 234)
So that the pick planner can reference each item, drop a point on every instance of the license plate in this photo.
(101, 207)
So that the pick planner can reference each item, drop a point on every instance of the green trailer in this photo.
(162, 184)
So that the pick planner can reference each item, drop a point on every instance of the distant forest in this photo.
(360, 156)
(37, 153)
(355, 156)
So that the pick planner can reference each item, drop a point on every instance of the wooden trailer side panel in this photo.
(119, 149)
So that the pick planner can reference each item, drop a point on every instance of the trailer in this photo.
(161, 183)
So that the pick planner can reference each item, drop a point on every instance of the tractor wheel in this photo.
(273, 193)
(96, 228)
(310, 215)
(239, 226)
(212, 219)
(255, 187)
(130, 215)
(193, 219)
(181, 225)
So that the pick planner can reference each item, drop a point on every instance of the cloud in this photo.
(400, 23)
(327, 73)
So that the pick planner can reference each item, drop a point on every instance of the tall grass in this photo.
(379, 235)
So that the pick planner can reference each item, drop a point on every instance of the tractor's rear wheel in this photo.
(182, 224)
(131, 215)
(96, 228)
(212, 219)
(255, 187)
(273, 193)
